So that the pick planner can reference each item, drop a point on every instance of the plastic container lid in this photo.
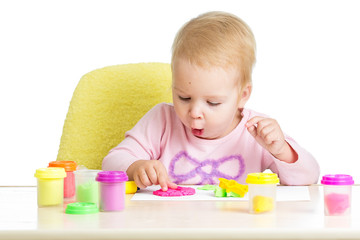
(69, 166)
(81, 208)
(337, 179)
(112, 176)
(262, 178)
(90, 173)
(50, 172)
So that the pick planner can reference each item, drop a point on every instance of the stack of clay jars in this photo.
(93, 189)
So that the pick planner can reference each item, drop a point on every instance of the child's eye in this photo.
(213, 103)
(184, 98)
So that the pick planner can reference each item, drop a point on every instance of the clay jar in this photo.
(112, 190)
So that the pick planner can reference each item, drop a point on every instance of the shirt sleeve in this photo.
(304, 171)
(142, 142)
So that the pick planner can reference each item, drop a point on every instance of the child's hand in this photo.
(268, 134)
(149, 172)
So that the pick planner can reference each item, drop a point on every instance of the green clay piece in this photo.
(220, 192)
(88, 192)
(232, 194)
(207, 187)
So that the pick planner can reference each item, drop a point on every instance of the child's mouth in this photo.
(197, 132)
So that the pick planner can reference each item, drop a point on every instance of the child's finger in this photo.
(138, 182)
(252, 130)
(163, 183)
(162, 177)
(172, 185)
(253, 121)
(152, 175)
(145, 179)
(266, 133)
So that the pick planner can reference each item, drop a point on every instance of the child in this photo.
(207, 133)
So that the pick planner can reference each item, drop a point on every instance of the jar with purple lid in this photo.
(112, 190)
(337, 194)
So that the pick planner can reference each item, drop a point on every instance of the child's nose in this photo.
(195, 111)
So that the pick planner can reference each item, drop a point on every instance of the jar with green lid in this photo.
(262, 192)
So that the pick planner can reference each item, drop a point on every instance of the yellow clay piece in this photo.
(233, 186)
(241, 190)
(223, 183)
(262, 204)
(130, 187)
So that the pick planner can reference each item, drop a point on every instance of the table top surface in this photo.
(20, 218)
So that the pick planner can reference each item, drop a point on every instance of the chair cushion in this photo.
(106, 103)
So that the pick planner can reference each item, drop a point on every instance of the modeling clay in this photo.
(130, 187)
(233, 186)
(207, 187)
(337, 203)
(220, 192)
(88, 192)
(179, 191)
(232, 194)
(262, 204)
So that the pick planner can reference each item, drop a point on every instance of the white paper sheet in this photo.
(283, 193)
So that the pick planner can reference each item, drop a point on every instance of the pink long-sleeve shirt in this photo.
(160, 135)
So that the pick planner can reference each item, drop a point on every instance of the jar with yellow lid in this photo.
(262, 192)
(50, 186)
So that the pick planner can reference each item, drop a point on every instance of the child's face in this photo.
(207, 101)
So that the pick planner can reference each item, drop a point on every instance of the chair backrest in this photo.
(108, 102)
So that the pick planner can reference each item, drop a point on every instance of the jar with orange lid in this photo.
(69, 181)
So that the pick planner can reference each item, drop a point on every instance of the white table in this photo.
(20, 218)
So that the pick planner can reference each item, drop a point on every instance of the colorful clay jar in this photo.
(112, 190)
(87, 188)
(69, 180)
(337, 194)
(262, 192)
(50, 186)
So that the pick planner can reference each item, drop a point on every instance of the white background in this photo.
(306, 76)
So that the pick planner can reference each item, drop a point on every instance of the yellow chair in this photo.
(106, 103)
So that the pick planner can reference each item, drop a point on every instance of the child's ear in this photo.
(245, 95)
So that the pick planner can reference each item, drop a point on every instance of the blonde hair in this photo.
(217, 39)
